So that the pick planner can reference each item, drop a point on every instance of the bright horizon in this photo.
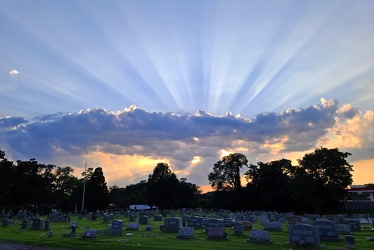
(129, 84)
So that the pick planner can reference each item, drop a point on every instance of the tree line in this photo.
(316, 184)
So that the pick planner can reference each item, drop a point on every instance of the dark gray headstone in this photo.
(143, 220)
(294, 219)
(350, 242)
(117, 227)
(273, 226)
(217, 233)
(186, 233)
(354, 224)
(158, 217)
(26, 224)
(172, 224)
(306, 233)
(37, 224)
(133, 226)
(229, 222)
(343, 228)
(238, 228)
(328, 230)
(47, 225)
(259, 236)
(196, 222)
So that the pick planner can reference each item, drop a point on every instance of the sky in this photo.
(126, 84)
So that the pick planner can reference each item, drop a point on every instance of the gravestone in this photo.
(47, 225)
(74, 224)
(5, 222)
(343, 228)
(213, 223)
(106, 218)
(143, 220)
(37, 224)
(217, 233)
(186, 233)
(132, 217)
(238, 228)
(303, 233)
(89, 216)
(89, 234)
(354, 224)
(196, 222)
(350, 242)
(229, 222)
(133, 226)
(158, 217)
(294, 219)
(26, 224)
(117, 227)
(328, 230)
(247, 225)
(149, 228)
(80, 216)
(172, 224)
(259, 236)
(273, 226)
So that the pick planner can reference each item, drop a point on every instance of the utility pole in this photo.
(84, 184)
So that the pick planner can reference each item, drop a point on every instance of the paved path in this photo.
(16, 246)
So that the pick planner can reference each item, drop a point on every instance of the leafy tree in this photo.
(189, 193)
(63, 186)
(321, 179)
(6, 180)
(271, 182)
(162, 187)
(97, 191)
(226, 172)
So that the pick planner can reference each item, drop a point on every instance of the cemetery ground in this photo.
(156, 239)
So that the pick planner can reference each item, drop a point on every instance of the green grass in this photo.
(156, 239)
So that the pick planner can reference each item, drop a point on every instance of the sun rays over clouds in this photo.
(129, 143)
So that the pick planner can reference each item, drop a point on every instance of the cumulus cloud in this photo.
(191, 143)
(13, 72)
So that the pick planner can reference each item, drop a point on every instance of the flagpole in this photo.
(84, 185)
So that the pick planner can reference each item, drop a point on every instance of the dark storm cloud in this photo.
(11, 121)
(137, 131)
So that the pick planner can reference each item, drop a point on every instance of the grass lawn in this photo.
(156, 239)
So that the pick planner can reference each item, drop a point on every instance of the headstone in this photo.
(26, 224)
(47, 225)
(37, 224)
(89, 216)
(5, 222)
(213, 223)
(217, 233)
(172, 224)
(186, 233)
(106, 218)
(303, 233)
(196, 222)
(343, 228)
(117, 227)
(294, 219)
(143, 220)
(80, 216)
(238, 228)
(273, 226)
(354, 224)
(328, 230)
(149, 228)
(259, 236)
(229, 222)
(132, 217)
(350, 242)
(89, 234)
(158, 217)
(133, 226)
(247, 225)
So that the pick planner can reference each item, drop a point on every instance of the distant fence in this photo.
(357, 205)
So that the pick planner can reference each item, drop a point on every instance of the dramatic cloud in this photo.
(129, 143)
(13, 72)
